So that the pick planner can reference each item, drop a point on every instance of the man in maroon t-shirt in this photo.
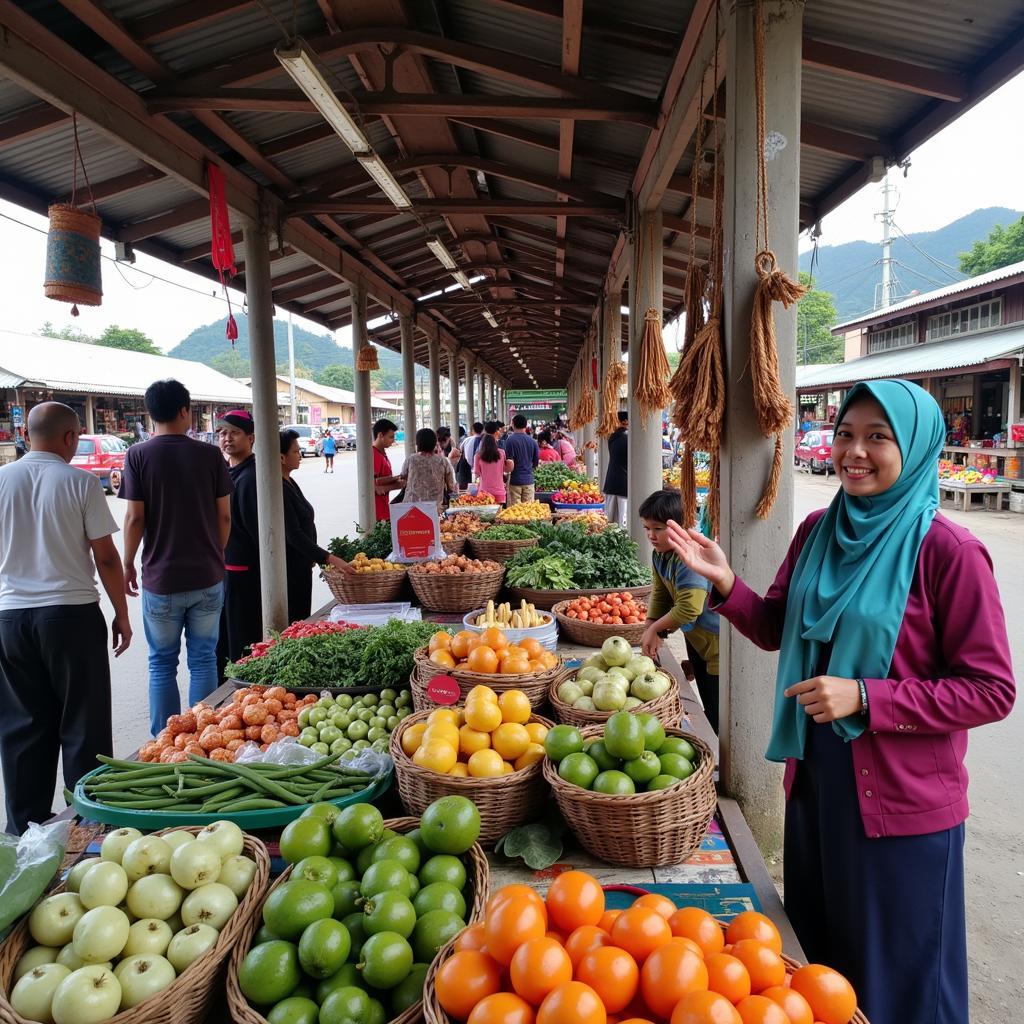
(384, 480)
(178, 492)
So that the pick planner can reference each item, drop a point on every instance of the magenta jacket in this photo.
(951, 671)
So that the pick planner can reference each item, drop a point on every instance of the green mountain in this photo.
(208, 344)
(922, 261)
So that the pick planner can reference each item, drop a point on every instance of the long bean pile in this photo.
(215, 787)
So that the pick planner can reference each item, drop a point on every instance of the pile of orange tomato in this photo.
(568, 960)
(490, 653)
(607, 609)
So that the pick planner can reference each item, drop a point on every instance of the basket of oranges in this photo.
(489, 750)
(569, 956)
(487, 658)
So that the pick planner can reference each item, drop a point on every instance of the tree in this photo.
(231, 363)
(66, 333)
(128, 339)
(815, 317)
(337, 375)
(302, 371)
(1003, 246)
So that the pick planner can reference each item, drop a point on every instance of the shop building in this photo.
(964, 344)
(320, 405)
(105, 386)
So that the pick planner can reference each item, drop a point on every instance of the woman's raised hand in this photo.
(703, 556)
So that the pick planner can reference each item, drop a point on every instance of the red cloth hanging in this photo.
(222, 251)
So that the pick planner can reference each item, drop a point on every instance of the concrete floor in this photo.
(995, 832)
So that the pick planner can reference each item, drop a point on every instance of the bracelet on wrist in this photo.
(863, 688)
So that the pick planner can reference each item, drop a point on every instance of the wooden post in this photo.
(409, 382)
(645, 292)
(433, 350)
(364, 417)
(263, 364)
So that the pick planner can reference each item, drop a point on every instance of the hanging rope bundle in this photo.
(652, 394)
(771, 404)
(367, 358)
(585, 411)
(614, 378)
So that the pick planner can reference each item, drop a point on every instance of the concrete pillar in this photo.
(366, 503)
(409, 383)
(482, 391)
(90, 414)
(756, 547)
(590, 430)
(453, 389)
(263, 366)
(470, 391)
(433, 349)
(645, 291)
(1013, 393)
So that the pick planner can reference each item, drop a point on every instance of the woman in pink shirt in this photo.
(547, 453)
(565, 449)
(490, 466)
(892, 645)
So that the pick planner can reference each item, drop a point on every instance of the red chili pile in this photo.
(297, 631)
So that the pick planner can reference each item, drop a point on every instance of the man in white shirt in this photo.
(54, 672)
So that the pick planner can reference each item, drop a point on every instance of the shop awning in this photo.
(10, 380)
(929, 358)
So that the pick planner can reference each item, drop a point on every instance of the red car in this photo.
(814, 450)
(103, 456)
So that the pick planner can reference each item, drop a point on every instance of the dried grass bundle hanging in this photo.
(616, 376)
(585, 411)
(652, 373)
(771, 404)
(367, 359)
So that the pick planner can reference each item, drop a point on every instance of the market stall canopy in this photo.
(502, 138)
(933, 357)
(86, 369)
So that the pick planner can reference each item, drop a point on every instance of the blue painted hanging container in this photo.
(73, 256)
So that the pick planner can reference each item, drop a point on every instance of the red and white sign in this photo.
(443, 689)
(415, 531)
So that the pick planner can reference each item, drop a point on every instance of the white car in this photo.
(307, 438)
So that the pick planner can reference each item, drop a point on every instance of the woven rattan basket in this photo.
(477, 876)
(434, 1014)
(668, 709)
(455, 546)
(593, 634)
(534, 684)
(188, 997)
(364, 587)
(547, 599)
(461, 593)
(640, 829)
(503, 802)
(499, 550)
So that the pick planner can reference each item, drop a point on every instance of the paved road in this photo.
(995, 835)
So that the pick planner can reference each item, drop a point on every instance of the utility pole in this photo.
(886, 217)
(291, 369)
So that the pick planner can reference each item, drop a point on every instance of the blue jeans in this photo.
(163, 617)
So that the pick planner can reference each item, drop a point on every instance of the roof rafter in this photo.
(517, 207)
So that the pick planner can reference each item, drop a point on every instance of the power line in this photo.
(952, 273)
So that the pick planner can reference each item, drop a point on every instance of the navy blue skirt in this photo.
(888, 913)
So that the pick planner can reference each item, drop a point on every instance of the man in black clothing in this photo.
(242, 618)
(616, 480)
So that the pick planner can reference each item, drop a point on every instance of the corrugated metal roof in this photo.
(339, 395)
(935, 297)
(907, 362)
(94, 369)
(10, 380)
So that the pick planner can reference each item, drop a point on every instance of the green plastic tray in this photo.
(151, 821)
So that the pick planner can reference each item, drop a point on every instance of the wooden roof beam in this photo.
(896, 74)
(261, 64)
(182, 17)
(186, 213)
(512, 207)
(839, 143)
(572, 42)
(582, 108)
(122, 183)
(555, 299)
(29, 123)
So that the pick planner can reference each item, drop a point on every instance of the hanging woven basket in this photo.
(73, 256)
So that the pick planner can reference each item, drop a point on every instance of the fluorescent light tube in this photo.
(377, 169)
(460, 276)
(440, 250)
(489, 317)
(304, 72)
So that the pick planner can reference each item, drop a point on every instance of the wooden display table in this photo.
(961, 494)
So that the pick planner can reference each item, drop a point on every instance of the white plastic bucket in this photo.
(547, 634)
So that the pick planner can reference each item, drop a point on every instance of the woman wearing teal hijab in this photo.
(892, 644)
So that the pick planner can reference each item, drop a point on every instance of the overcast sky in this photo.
(975, 162)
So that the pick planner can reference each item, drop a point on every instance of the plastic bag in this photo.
(287, 750)
(27, 865)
